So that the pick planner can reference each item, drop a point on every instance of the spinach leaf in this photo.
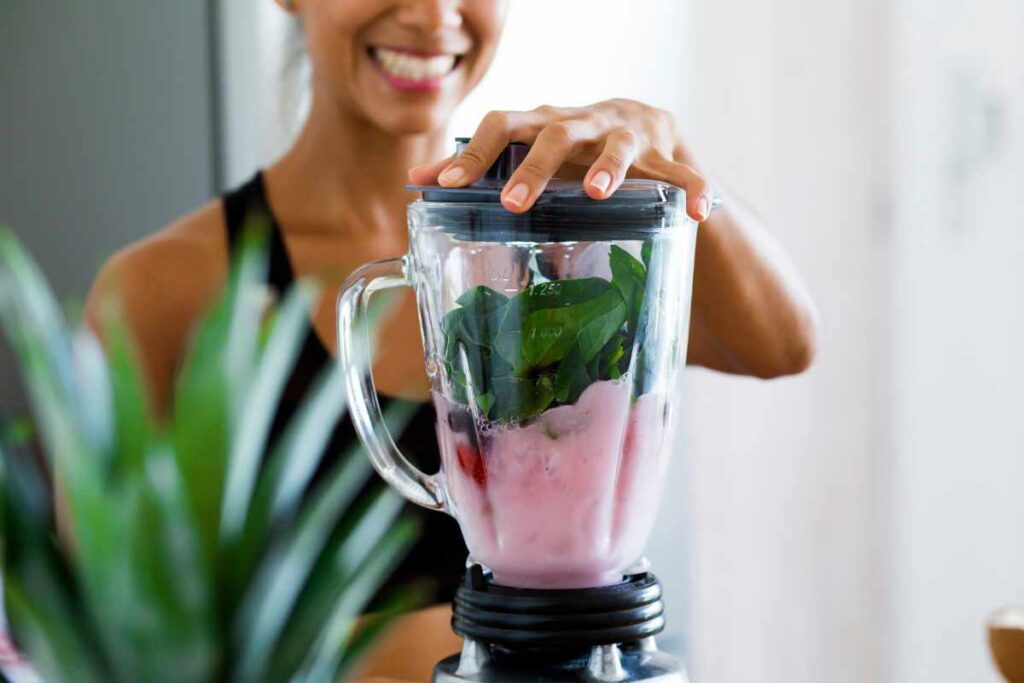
(544, 346)
(517, 400)
(572, 378)
(630, 277)
(549, 334)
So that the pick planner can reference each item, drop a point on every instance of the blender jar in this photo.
(553, 341)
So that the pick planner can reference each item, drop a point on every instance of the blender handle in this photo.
(354, 354)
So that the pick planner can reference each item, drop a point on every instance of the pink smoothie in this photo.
(566, 501)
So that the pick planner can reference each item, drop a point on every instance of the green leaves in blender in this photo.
(519, 356)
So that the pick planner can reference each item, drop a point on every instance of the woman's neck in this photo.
(344, 175)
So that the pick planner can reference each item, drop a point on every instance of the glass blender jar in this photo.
(553, 340)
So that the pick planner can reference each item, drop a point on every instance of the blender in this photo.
(553, 341)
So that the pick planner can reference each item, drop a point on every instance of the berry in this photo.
(472, 463)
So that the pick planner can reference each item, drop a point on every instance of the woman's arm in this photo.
(751, 314)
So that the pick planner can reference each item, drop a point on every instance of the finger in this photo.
(554, 145)
(698, 189)
(497, 129)
(609, 170)
(427, 173)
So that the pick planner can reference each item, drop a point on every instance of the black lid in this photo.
(563, 211)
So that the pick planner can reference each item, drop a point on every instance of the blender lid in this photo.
(563, 212)
(633, 192)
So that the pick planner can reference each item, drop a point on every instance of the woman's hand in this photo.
(751, 312)
(604, 143)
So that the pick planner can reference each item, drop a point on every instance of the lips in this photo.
(410, 70)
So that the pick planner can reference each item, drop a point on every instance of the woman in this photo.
(386, 76)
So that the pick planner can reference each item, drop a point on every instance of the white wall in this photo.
(958, 485)
(785, 475)
(254, 50)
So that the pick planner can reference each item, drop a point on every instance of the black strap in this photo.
(249, 200)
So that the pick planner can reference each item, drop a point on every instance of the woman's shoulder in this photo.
(162, 283)
(183, 258)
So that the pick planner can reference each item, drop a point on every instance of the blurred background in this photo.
(857, 523)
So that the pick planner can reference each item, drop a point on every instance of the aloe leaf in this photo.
(40, 592)
(284, 572)
(94, 398)
(275, 590)
(289, 467)
(247, 294)
(370, 539)
(294, 459)
(46, 634)
(372, 626)
(201, 426)
(327, 657)
(278, 358)
(211, 386)
(78, 467)
(27, 298)
(96, 512)
(141, 596)
(167, 580)
(129, 397)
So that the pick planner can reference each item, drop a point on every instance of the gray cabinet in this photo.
(106, 129)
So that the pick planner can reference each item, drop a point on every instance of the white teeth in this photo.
(411, 67)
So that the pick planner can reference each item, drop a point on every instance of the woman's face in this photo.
(403, 65)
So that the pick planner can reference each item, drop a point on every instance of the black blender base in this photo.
(588, 635)
(604, 664)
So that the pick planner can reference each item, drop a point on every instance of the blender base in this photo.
(604, 664)
(591, 635)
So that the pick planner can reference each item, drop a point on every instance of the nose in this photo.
(430, 15)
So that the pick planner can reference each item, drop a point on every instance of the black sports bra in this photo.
(439, 556)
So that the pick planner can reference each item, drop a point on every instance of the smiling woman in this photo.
(386, 78)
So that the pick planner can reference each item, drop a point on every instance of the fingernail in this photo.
(517, 195)
(453, 175)
(601, 181)
(703, 208)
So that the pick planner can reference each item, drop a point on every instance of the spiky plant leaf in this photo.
(282, 347)
(364, 534)
(41, 622)
(128, 397)
(40, 594)
(293, 461)
(159, 514)
(286, 568)
(327, 657)
(212, 383)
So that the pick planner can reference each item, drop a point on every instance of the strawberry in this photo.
(472, 463)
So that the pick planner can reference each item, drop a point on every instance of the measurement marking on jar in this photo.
(548, 288)
(546, 332)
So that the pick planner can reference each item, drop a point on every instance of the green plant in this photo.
(197, 551)
(544, 346)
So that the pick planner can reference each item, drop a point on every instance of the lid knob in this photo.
(506, 163)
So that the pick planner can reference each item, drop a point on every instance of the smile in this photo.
(410, 71)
